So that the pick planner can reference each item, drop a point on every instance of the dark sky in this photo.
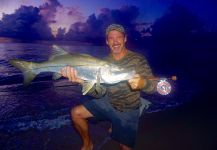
(63, 13)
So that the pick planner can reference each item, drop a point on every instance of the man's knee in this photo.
(75, 112)
(80, 112)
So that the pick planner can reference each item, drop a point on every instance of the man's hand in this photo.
(71, 74)
(137, 82)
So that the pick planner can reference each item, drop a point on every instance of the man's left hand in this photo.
(137, 82)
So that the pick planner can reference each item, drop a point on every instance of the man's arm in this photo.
(140, 80)
(71, 74)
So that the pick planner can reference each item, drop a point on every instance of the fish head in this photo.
(112, 74)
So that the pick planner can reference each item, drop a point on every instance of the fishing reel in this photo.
(163, 86)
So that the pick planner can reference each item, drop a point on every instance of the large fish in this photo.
(92, 70)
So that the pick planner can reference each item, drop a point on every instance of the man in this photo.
(118, 103)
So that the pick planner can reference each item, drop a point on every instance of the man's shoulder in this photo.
(136, 55)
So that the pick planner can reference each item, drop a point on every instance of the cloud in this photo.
(28, 22)
(48, 10)
(25, 23)
(67, 23)
(60, 33)
(65, 16)
(58, 16)
(94, 28)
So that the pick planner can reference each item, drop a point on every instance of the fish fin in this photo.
(98, 80)
(28, 77)
(83, 54)
(57, 51)
(26, 68)
(56, 76)
(87, 86)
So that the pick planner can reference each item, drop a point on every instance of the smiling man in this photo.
(118, 103)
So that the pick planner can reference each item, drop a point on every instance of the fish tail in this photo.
(27, 69)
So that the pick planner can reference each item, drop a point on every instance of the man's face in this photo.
(116, 41)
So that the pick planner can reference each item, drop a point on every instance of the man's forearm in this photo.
(150, 86)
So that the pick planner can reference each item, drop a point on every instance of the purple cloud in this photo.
(25, 23)
(51, 17)
(60, 33)
(48, 10)
(93, 30)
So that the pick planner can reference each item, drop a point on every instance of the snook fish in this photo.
(92, 70)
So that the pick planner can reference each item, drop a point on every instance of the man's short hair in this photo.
(116, 27)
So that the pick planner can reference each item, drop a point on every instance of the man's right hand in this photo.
(71, 74)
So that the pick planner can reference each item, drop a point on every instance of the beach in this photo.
(192, 126)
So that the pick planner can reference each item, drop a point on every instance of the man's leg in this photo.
(79, 116)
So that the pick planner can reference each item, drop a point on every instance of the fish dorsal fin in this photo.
(83, 54)
(57, 51)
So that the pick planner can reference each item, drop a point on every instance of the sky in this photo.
(83, 8)
(67, 12)
(86, 7)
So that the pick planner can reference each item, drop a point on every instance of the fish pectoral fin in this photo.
(87, 86)
(98, 82)
(56, 76)
(28, 77)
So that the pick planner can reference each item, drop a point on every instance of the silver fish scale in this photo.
(87, 72)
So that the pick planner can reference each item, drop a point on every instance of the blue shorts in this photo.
(124, 124)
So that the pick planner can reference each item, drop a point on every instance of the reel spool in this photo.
(163, 87)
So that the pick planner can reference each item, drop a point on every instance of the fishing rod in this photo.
(174, 78)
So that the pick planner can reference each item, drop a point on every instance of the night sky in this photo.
(63, 13)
